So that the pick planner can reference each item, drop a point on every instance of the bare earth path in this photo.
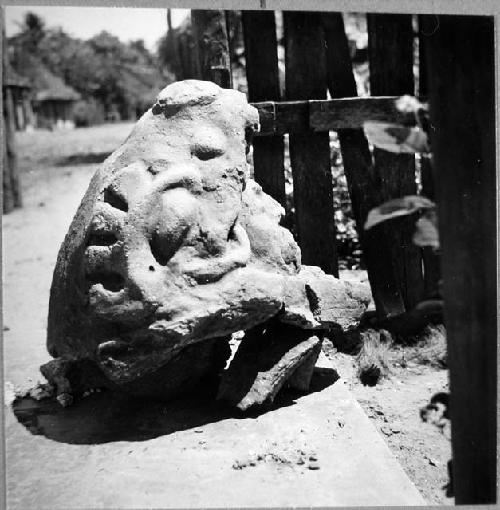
(143, 451)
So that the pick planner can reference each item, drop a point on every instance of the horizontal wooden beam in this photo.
(278, 118)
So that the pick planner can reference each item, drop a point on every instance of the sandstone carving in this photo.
(173, 249)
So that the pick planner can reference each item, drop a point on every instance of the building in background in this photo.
(53, 100)
(17, 99)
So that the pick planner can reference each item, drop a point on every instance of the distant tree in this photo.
(33, 30)
(123, 78)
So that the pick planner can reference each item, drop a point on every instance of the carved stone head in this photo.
(170, 246)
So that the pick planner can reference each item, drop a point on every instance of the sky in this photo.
(126, 23)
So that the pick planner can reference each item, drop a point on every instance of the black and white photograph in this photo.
(249, 254)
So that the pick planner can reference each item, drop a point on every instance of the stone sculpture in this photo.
(172, 250)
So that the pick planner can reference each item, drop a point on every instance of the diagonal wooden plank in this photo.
(361, 180)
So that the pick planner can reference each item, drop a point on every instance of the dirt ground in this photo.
(55, 170)
(393, 407)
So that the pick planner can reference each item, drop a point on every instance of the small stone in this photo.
(386, 430)
(65, 399)
(41, 391)
(313, 465)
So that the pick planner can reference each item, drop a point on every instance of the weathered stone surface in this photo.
(315, 300)
(174, 245)
(161, 253)
(266, 358)
(301, 377)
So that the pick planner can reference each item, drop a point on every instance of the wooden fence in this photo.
(457, 72)
(318, 64)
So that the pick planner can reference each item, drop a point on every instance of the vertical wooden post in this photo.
(9, 157)
(390, 49)
(432, 269)
(177, 66)
(461, 59)
(305, 78)
(28, 109)
(261, 55)
(11, 186)
(212, 47)
(357, 160)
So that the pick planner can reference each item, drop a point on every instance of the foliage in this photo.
(373, 358)
(398, 138)
(426, 230)
(123, 78)
(403, 206)
(88, 113)
(348, 244)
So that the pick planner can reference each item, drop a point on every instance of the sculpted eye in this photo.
(205, 152)
(208, 142)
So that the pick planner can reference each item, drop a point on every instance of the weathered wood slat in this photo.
(10, 176)
(328, 114)
(390, 49)
(212, 46)
(261, 55)
(431, 259)
(461, 57)
(305, 78)
(351, 113)
(290, 115)
(357, 160)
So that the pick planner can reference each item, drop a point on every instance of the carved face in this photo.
(158, 256)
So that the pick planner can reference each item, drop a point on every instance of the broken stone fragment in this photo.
(301, 377)
(265, 360)
(172, 248)
(315, 300)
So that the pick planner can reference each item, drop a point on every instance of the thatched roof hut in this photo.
(53, 100)
(52, 88)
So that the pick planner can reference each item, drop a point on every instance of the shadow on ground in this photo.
(106, 417)
(86, 158)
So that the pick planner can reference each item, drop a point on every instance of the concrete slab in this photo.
(123, 454)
